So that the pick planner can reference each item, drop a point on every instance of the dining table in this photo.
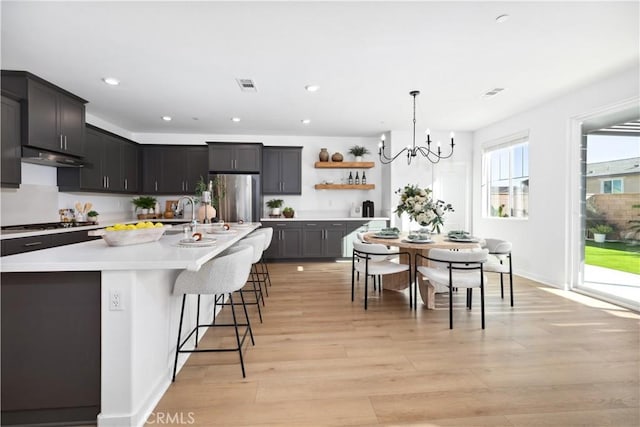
(398, 281)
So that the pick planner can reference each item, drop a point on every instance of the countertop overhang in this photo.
(96, 255)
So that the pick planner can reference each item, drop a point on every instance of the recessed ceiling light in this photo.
(312, 88)
(502, 18)
(235, 119)
(195, 118)
(305, 121)
(166, 118)
(111, 81)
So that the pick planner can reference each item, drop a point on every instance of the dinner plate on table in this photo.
(222, 231)
(386, 236)
(463, 239)
(197, 243)
(408, 240)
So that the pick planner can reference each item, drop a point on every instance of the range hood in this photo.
(49, 158)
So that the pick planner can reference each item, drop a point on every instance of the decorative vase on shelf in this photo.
(324, 155)
(337, 157)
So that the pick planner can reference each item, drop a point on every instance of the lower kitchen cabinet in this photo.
(322, 239)
(286, 242)
(28, 244)
(312, 239)
(50, 348)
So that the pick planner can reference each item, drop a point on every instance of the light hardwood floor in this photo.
(555, 359)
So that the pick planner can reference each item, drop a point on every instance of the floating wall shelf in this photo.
(345, 186)
(344, 165)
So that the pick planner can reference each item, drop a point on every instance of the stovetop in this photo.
(45, 226)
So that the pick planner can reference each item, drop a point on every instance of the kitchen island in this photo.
(138, 315)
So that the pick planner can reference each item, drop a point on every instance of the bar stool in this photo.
(222, 275)
(264, 270)
(256, 242)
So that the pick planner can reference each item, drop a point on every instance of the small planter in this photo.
(275, 211)
(288, 213)
(92, 218)
(599, 238)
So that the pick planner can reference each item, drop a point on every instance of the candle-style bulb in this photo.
(452, 135)
(382, 137)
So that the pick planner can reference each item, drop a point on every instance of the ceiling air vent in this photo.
(492, 92)
(247, 85)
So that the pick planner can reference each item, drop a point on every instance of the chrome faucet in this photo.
(193, 210)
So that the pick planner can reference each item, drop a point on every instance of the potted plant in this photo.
(358, 151)
(144, 203)
(600, 232)
(275, 205)
(288, 212)
(92, 216)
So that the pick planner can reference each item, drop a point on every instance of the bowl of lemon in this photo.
(131, 234)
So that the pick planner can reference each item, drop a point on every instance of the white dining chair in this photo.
(455, 269)
(371, 259)
(499, 253)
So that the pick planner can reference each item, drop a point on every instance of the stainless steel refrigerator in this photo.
(242, 197)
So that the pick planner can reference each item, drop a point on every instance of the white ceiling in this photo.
(182, 58)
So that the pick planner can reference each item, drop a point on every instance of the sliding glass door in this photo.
(611, 213)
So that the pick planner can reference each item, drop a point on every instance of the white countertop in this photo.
(96, 255)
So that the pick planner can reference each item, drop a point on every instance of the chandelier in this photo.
(434, 156)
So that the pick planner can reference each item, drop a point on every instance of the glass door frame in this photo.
(576, 189)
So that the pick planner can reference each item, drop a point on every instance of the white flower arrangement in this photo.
(420, 207)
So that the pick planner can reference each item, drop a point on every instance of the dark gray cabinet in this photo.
(286, 241)
(282, 170)
(323, 239)
(130, 166)
(111, 165)
(11, 145)
(53, 119)
(227, 157)
(173, 169)
(50, 348)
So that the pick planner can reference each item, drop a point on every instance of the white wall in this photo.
(541, 243)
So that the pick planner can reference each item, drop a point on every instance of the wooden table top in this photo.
(439, 241)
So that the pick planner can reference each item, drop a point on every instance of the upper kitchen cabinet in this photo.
(227, 157)
(282, 170)
(11, 168)
(173, 169)
(111, 165)
(53, 119)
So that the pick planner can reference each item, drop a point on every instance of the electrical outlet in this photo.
(115, 300)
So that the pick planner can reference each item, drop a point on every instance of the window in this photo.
(611, 186)
(505, 179)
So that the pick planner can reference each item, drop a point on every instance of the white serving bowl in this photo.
(130, 237)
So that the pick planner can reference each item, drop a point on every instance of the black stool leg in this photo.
(235, 324)
(244, 307)
(197, 319)
(175, 362)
